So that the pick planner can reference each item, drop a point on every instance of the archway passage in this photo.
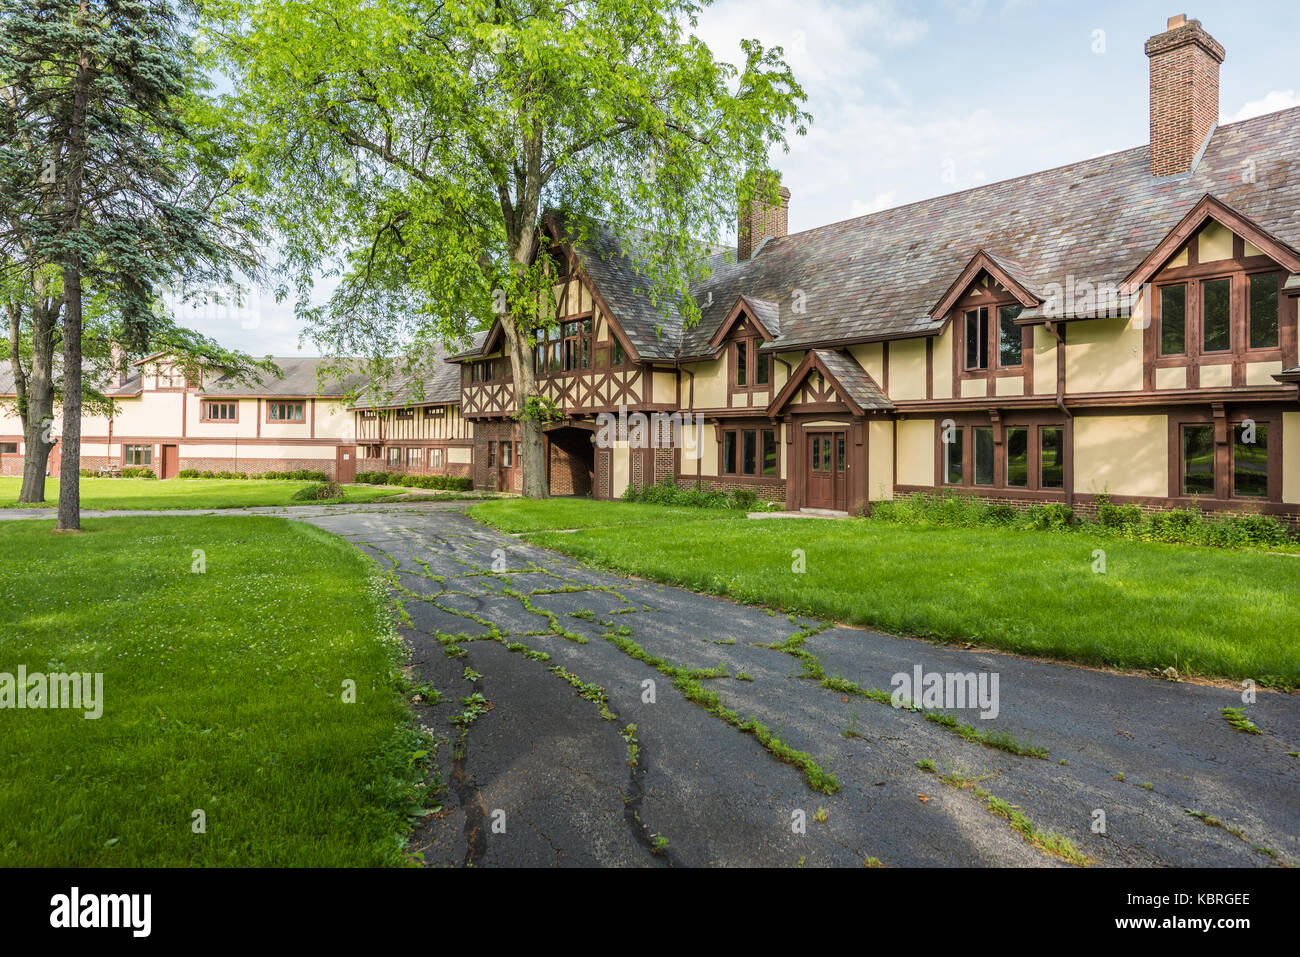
(570, 461)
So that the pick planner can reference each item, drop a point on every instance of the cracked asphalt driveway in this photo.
(541, 768)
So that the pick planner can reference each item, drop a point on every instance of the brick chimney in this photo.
(759, 220)
(1184, 94)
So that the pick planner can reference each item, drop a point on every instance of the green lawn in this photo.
(523, 515)
(124, 493)
(222, 690)
(1205, 611)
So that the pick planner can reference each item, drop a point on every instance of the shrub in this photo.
(138, 471)
(667, 492)
(1117, 516)
(745, 498)
(188, 473)
(1052, 517)
(269, 475)
(321, 491)
(1001, 515)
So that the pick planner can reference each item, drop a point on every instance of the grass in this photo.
(223, 691)
(1018, 590)
(124, 493)
(523, 515)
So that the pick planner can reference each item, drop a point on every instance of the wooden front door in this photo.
(170, 461)
(345, 465)
(828, 485)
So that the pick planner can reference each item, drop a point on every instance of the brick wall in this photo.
(569, 470)
(253, 466)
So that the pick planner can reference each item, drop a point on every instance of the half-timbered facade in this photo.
(1125, 326)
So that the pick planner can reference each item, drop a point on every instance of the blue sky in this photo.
(912, 100)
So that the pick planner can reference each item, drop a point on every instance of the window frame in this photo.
(414, 457)
(301, 404)
(959, 456)
(745, 352)
(1224, 472)
(206, 406)
(127, 457)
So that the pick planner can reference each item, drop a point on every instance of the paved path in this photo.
(545, 763)
(483, 608)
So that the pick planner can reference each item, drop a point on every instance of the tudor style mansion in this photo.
(1123, 326)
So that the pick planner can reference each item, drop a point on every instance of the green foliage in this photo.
(1126, 522)
(319, 492)
(434, 138)
(667, 492)
(455, 483)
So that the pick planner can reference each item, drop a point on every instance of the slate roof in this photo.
(131, 387)
(854, 380)
(300, 380)
(878, 276)
(440, 384)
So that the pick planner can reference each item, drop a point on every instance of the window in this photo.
(983, 456)
(414, 458)
(367, 413)
(8, 448)
(1250, 461)
(137, 455)
(394, 458)
(547, 357)
(762, 367)
(219, 412)
(742, 362)
(729, 453)
(952, 456)
(492, 455)
(577, 345)
(617, 356)
(507, 454)
(1216, 315)
(1263, 310)
(1198, 459)
(1173, 320)
(1051, 450)
(977, 339)
(284, 411)
(749, 458)
(435, 458)
(407, 413)
(1009, 336)
(435, 411)
(1017, 444)
(769, 452)
(753, 369)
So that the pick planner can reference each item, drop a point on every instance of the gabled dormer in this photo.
(1220, 310)
(740, 338)
(983, 305)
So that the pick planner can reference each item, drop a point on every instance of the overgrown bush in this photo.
(667, 492)
(319, 492)
(138, 471)
(1187, 526)
(454, 483)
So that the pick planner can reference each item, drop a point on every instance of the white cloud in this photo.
(879, 202)
(1275, 100)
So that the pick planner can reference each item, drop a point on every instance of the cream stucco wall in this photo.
(1291, 456)
(871, 356)
(245, 428)
(708, 452)
(943, 347)
(1009, 385)
(460, 455)
(1261, 373)
(907, 369)
(1103, 355)
(710, 384)
(152, 414)
(621, 460)
(916, 452)
(1044, 360)
(1172, 377)
(1216, 376)
(880, 461)
(1122, 455)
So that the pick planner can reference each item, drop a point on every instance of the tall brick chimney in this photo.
(760, 220)
(1184, 94)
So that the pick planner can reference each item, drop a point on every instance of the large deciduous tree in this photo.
(413, 148)
(103, 182)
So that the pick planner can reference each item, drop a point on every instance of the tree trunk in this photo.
(35, 389)
(534, 459)
(70, 465)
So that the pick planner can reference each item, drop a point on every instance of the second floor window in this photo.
(1003, 340)
(1201, 318)
(753, 369)
(577, 345)
(617, 356)
(219, 412)
(284, 411)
